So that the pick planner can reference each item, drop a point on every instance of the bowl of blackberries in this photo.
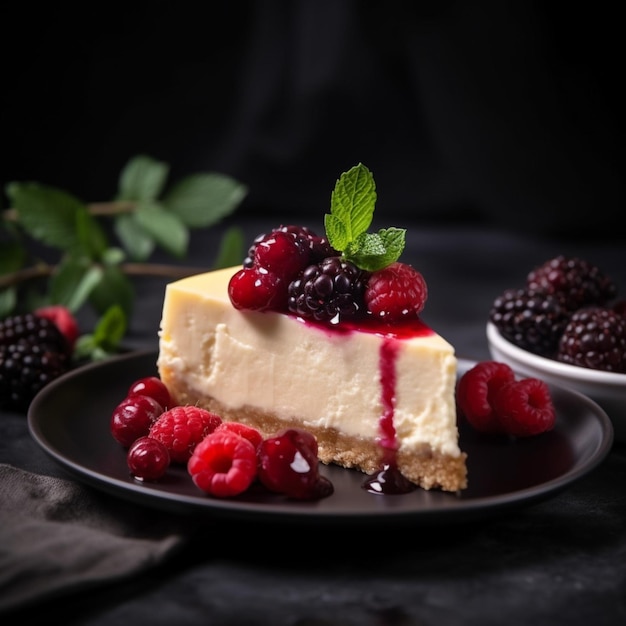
(566, 324)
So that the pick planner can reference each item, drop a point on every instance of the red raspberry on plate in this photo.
(223, 464)
(182, 428)
(248, 432)
(525, 407)
(396, 292)
(475, 394)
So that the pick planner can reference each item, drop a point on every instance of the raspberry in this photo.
(288, 464)
(329, 291)
(395, 292)
(475, 393)
(595, 338)
(182, 428)
(249, 433)
(575, 282)
(63, 320)
(223, 464)
(524, 408)
(147, 459)
(531, 321)
(133, 417)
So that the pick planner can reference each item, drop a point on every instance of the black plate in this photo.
(70, 420)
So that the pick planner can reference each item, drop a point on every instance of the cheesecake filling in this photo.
(396, 390)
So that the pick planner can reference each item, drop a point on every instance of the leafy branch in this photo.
(97, 247)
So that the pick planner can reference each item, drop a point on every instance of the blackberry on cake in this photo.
(274, 348)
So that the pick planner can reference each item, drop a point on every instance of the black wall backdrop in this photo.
(505, 113)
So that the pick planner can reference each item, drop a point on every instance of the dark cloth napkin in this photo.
(58, 537)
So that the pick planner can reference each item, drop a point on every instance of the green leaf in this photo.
(166, 228)
(231, 250)
(73, 282)
(202, 200)
(143, 179)
(48, 215)
(113, 289)
(91, 237)
(352, 207)
(8, 301)
(138, 243)
(374, 251)
(110, 329)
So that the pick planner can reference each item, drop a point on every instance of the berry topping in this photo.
(64, 320)
(475, 392)
(288, 464)
(133, 417)
(595, 338)
(154, 387)
(575, 282)
(223, 464)
(530, 320)
(395, 292)
(329, 291)
(283, 254)
(147, 459)
(182, 428)
(524, 408)
(257, 290)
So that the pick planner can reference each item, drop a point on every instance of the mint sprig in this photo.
(352, 205)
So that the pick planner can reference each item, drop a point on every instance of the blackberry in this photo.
(33, 352)
(329, 291)
(595, 338)
(318, 247)
(576, 282)
(25, 369)
(531, 321)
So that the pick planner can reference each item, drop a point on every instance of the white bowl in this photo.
(607, 389)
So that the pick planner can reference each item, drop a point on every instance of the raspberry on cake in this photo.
(278, 347)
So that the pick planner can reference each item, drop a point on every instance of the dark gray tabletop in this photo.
(558, 561)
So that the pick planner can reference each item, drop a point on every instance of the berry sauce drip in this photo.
(388, 480)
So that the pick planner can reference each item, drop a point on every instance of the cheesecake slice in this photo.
(371, 393)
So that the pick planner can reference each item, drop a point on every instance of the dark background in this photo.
(509, 114)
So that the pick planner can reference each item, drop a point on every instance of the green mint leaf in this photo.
(373, 251)
(166, 228)
(142, 179)
(202, 200)
(351, 207)
(352, 210)
(110, 329)
(92, 240)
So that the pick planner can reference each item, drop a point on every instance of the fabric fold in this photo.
(58, 537)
